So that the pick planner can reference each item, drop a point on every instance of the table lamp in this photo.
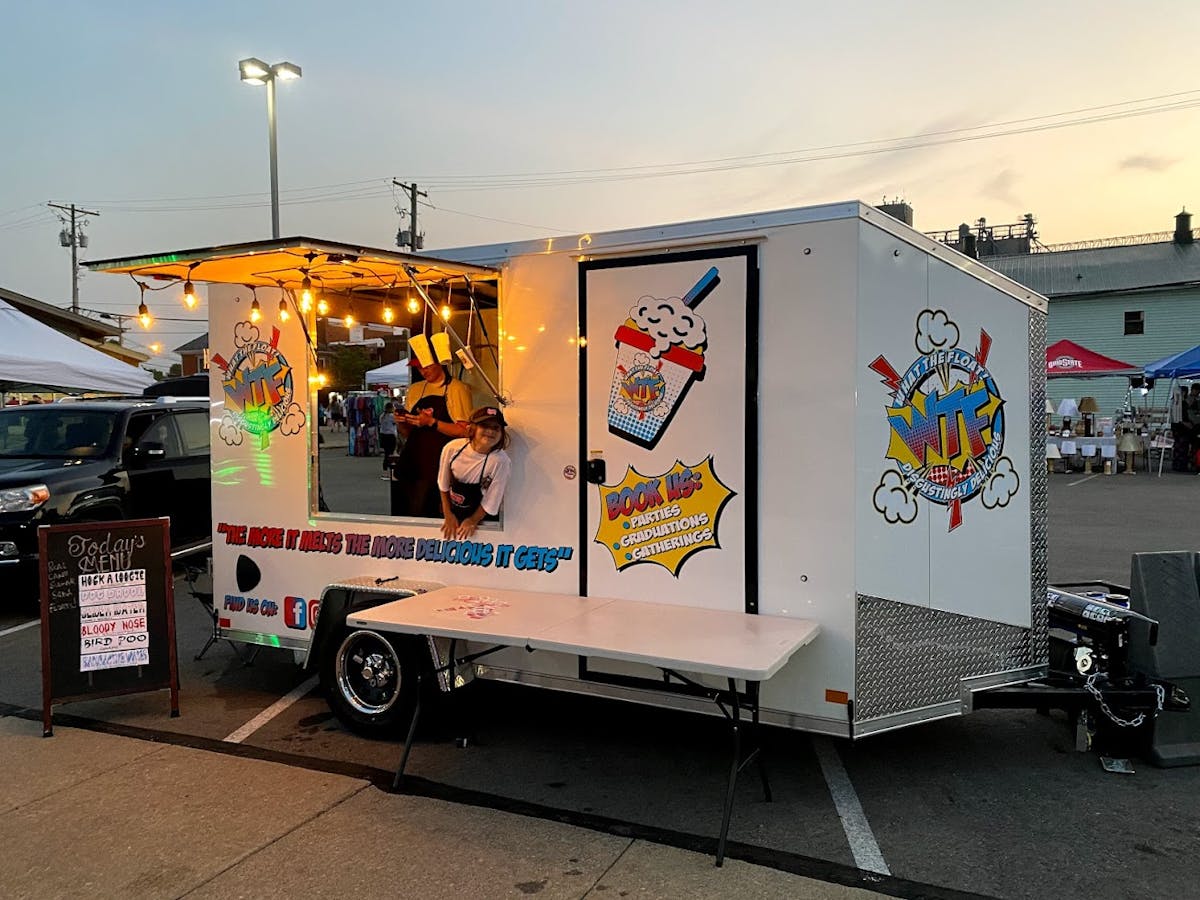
(1068, 409)
(1089, 407)
(1129, 444)
(1052, 453)
(1049, 413)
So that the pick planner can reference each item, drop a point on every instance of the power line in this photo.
(375, 188)
(459, 212)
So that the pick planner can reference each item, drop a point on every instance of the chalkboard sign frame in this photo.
(149, 550)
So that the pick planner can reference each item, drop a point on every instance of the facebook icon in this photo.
(295, 613)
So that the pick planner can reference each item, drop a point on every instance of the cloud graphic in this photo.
(935, 331)
(230, 431)
(245, 333)
(892, 499)
(668, 322)
(1002, 485)
(293, 420)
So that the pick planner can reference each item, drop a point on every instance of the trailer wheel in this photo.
(370, 681)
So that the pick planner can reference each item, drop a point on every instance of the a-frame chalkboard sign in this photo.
(108, 611)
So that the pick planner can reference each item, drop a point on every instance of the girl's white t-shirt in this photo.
(469, 468)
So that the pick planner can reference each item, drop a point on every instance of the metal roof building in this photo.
(1134, 298)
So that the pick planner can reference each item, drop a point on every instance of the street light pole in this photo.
(274, 158)
(255, 71)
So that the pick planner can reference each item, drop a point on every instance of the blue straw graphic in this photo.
(702, 288)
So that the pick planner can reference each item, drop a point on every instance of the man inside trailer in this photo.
(438, 408)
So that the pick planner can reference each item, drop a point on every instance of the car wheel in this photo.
(371, 682)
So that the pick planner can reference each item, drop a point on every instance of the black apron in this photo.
(415, 490)
(466, 497)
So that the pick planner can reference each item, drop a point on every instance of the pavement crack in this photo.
(600, 877)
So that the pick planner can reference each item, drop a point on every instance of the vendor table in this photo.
(674, 639)
(1080, 442)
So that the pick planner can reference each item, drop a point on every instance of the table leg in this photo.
(752, 692)
(734, 766)
(408, 741)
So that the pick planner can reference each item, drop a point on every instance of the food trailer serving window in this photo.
(354, 315)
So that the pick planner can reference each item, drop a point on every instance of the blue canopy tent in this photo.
(1177, 365)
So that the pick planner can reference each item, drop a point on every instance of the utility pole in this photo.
(410, 238)
(75, 238)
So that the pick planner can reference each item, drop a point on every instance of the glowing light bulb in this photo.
(144, 315)
(322, 307)
(156, 348)
(348, 319)
(306, 296)
(189, 295)
(414, 305)
(284, 315)
(321, 379)
(255, 311)
(446, 312)
(388, 315)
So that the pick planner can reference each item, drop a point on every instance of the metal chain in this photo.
(1137, 720)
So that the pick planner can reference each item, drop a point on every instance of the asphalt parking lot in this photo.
(997, 803)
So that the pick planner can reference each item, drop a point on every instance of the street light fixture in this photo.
(255, 71)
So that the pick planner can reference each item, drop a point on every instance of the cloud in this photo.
(293, 420)
(1147, 163)
(230, 431)
(935, 331)
(1002, 486)
(244, 333)
(1000, 187)
(892, 500)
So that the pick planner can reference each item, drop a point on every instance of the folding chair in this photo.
(1164, 443)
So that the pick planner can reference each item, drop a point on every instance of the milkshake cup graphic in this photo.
(660, 353)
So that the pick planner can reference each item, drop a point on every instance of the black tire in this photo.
(371, 681)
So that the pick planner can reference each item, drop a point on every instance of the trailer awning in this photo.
(286, 262)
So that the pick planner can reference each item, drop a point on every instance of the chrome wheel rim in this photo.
(367, 672)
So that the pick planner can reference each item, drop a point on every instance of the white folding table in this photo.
(674, 639)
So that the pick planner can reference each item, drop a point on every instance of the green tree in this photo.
(175, 371)
(347, 366)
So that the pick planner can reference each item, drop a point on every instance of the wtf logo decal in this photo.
(258, 388)
(946, 427)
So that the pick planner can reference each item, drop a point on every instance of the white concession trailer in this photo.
(816, 413)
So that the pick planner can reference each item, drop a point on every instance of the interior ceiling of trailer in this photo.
(287, 261)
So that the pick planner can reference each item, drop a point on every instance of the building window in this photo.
(1135, 321)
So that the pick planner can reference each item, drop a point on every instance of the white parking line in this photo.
(22, 627)
(1082, 480)
(272, 711)
(867, 855)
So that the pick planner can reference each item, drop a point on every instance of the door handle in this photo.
(595, 471)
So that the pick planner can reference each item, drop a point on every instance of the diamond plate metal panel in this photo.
(909, 657)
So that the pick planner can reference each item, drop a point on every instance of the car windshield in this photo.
(52, 432)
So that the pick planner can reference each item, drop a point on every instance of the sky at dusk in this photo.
(530, 119)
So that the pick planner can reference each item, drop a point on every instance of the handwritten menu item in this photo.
(112, 620)
(108, 612)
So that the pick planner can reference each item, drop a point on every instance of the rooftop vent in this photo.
(1183, 227)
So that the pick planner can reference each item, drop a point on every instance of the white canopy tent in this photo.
(33, 355)
(397, 374)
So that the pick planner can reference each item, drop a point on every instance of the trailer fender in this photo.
(340, 599)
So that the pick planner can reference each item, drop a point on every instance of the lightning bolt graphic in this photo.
(882, 367)
(981, 354)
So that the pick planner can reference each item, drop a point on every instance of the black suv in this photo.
(97, 460)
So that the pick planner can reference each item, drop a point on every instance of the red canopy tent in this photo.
(1068, 359)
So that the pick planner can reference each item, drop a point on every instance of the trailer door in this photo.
(668, 429)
